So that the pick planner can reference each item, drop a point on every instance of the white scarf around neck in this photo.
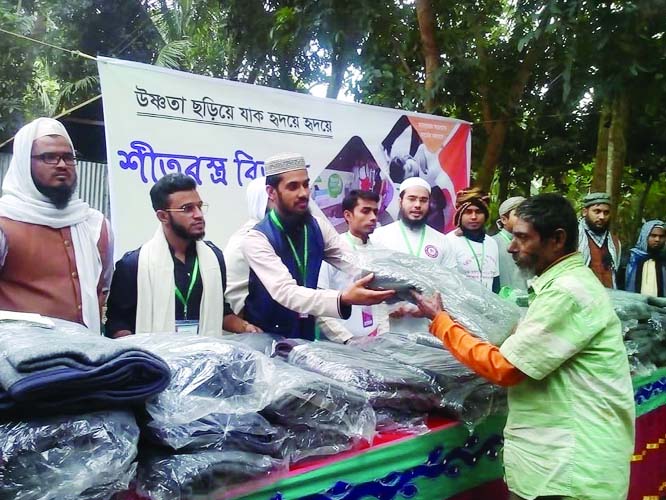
(156, 300)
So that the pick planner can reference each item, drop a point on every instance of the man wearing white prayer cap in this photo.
(285, 251)
(511, 276)
(56, 255)
(410, 234)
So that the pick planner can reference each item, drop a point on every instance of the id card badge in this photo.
(366, 316)
(187, 326)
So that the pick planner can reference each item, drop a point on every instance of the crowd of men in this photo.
(570, 427)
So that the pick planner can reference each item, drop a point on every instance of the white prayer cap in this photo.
(414, 182)
(49, 126)
(284, 162)
(509, 204)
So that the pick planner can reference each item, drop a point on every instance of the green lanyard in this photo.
(409, 246)
(476, 258)
(506, 235)
(179, 294)
(302, 264)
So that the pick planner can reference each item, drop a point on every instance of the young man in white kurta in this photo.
(476, 254)
(477, 261)
(360, 211)
(410, 234)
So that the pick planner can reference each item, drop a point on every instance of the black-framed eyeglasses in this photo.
(54, 158)
(189, 208)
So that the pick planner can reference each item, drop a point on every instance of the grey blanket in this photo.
(69, 368)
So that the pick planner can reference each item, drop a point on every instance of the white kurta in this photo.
(435, 248)
(364, 320)
(477, 261)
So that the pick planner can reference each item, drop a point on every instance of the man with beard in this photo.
(285, 251)
(476, 255)
(511, 276)
(410, 234)
(600, 249)
(360, 212)
(646, 269)
(55, 251)
(570, 426)
(176, 281)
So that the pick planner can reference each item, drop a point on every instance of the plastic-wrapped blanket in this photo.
(87, 457)
(470, 303)
(69, 368)
(465, 395)
(386, 382)
(644, 326)
(203, 473)
(226, 396)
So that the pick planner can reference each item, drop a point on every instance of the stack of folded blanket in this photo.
(68, 368)
(206, 473)
(465, 396)
(387, 383)
(226, 396)
(84, 457)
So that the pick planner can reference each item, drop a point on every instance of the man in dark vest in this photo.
(601, 249)
(285, 251)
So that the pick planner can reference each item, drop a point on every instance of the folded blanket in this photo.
(385, 381)
(226, 396)
(69, 367)
(81, 457)
(205, 473)
(470, 303)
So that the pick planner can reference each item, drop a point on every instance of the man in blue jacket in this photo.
(646, 269)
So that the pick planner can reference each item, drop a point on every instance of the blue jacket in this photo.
(260, 308)
(638, 256)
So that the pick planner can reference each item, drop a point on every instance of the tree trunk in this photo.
(643, 200)
(601, 160)
(503, 188)
(426, 19)
(617, 148)
(491, 155)
(338, 68)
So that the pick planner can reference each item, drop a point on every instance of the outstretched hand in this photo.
(358, 295)
(429, 306)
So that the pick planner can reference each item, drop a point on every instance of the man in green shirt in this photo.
(570, 427)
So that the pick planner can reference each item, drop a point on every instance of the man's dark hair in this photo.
(167, 185)
(273, 180)
(549, 212)
(351, 200)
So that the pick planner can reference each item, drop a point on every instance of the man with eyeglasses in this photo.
(176, 281)
(55, 251)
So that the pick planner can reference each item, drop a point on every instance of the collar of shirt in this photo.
(356, 242)
(565, 264)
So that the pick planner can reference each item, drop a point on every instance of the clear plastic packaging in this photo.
(644, 329)
(85, 457)
(225, 396)
(70, 368)
(206, 474)
(465, 395)
(386, 383)
(471, 304)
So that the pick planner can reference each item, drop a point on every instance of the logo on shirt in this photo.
(431, 251)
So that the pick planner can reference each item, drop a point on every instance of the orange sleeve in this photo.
(482, 357)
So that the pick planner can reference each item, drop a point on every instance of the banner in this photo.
(219, 132)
